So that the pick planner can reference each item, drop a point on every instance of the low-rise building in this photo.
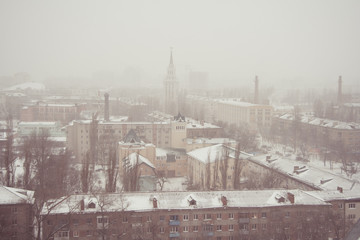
(271, 214)
(16, 215)
(53, 128)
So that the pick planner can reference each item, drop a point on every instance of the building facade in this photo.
(273, 214)
(16, 214)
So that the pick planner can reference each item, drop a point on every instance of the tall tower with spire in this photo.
(171, 89)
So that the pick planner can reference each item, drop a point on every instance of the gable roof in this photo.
(10, 195)
(131, 137)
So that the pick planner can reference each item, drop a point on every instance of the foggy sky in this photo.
(281, 41)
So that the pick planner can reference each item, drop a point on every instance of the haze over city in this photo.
(180, 120)
(287, 43)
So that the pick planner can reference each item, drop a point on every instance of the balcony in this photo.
(209, 234)
(243, 231)
(174, 235)
(174, 222)
(244, 220)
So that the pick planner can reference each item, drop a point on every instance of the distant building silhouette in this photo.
(171, 89)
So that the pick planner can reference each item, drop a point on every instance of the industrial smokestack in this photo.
(256, 94)
(106, 110)
(339, 100)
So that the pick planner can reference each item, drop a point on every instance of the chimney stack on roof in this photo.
(82, 205)
(106, 110)
(340, 189)
(256, 93)
(224, 201)
(155, 203)
(291, 197)
(339, 100)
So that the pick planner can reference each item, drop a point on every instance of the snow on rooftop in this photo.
(141, 201)
(135, 158)
(209, 140)
(10, 195)
(313, 176)
(215, 152)
(328, 123)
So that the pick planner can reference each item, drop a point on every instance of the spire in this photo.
(171, 57)
(171, 69)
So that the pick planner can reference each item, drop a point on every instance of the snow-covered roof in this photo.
(308, 174)
(135, 158)
(323, 122)
(140, 201)
(335, 195)
(163, 151)
(27, 85)
(10, 195)
(215, 152)
(48, 124)
(209, 140)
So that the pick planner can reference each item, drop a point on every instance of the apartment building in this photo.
(234, 111)
(223, 215)
(16, 216)
(321, 131)
(161, 134)
(51, 112)
(53, 128)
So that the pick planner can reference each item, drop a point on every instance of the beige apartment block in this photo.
(233, 111)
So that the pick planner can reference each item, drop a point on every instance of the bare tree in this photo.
(161, 180)
(9, 153)
(224, 165)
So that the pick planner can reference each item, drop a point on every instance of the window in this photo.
(218, 216)
(186, 217)
(195, 228)
(162, 230)
(148, 219)
(162, 218)
(148, 230)
(14, 221)
(352, 205)
(218, 238)
(351, 216)
(231, 228)
(264, 226)
(75, 221)
(340, 205)
(89, 221)
(14, 209)
(174, 229)
(174, 218)
(287, 214)
(231, 216)
(75, 233)
(196, 217)
(186, 229)
(102, 220)
(88, 233)
(218, 228)
(63, 234)
(231, 238)
(253, 226)
(253, 215)
(207, 216)
(124, 219)
(263, 215)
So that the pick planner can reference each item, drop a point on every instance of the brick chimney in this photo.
(82, 205)
(106, 110)
(155, 203)
(256, 92)
(224, 201)
(291, 197)
(340, 189)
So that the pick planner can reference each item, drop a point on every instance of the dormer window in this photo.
(91, 205)
(192, 202)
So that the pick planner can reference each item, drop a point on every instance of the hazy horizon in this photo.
(285, 43)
